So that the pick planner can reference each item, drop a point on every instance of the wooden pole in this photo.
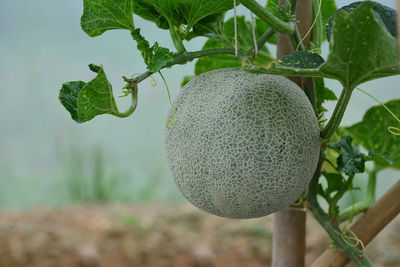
(290, 225)
(367, 227)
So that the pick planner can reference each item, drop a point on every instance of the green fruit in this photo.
(243, 145)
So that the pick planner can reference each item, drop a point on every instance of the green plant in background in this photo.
(90, 178)
(363, 46)
(94, 186)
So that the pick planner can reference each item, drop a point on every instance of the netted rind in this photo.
(244, 145)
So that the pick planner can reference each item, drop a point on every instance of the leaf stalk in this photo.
(337, 116)
(261, 41)
(186, 57)
(132, 108)
(274, 22)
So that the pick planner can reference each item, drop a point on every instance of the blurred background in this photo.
(47, 160)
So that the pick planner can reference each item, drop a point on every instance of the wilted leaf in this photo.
(84, 101)
(69, 97)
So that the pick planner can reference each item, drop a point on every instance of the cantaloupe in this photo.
(243, 145)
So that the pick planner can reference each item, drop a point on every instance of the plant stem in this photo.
(177, 40)
(353, 210)
(336, 235)
(317, 32)
(186, 57)
(332, 229)
(367, 227)
(371, 188)
(309, 90)
(337, 115)
(361, 206)
(295, 40)
(269, 18)
(262, 40)
(133, 106)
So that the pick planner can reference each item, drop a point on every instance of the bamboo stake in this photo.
(367, 227)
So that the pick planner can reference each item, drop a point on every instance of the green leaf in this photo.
(301, 60)
(186, 79)
(148, 11)
(291, 65)
(162, 56)
(373, 135)
(155, 56)
(378, 159)
(69, 97)
(350, 159)
(175, 13)
(195, 10)
(211, 27)
(215, 62)
(386, 16)
(96, 98)
(323, 94)
(361, 49)
(328, 8)
(317, 33)
(321, 192)
(262, 27)
(103, 15)
(272, 5)
(84, 101)
(337, 186)
(281, 13)
(336, 182)
(245, 40)
(95, 68)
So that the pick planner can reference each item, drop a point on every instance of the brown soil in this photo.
(154, 235)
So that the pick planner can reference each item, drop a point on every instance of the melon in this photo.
(243, 145)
